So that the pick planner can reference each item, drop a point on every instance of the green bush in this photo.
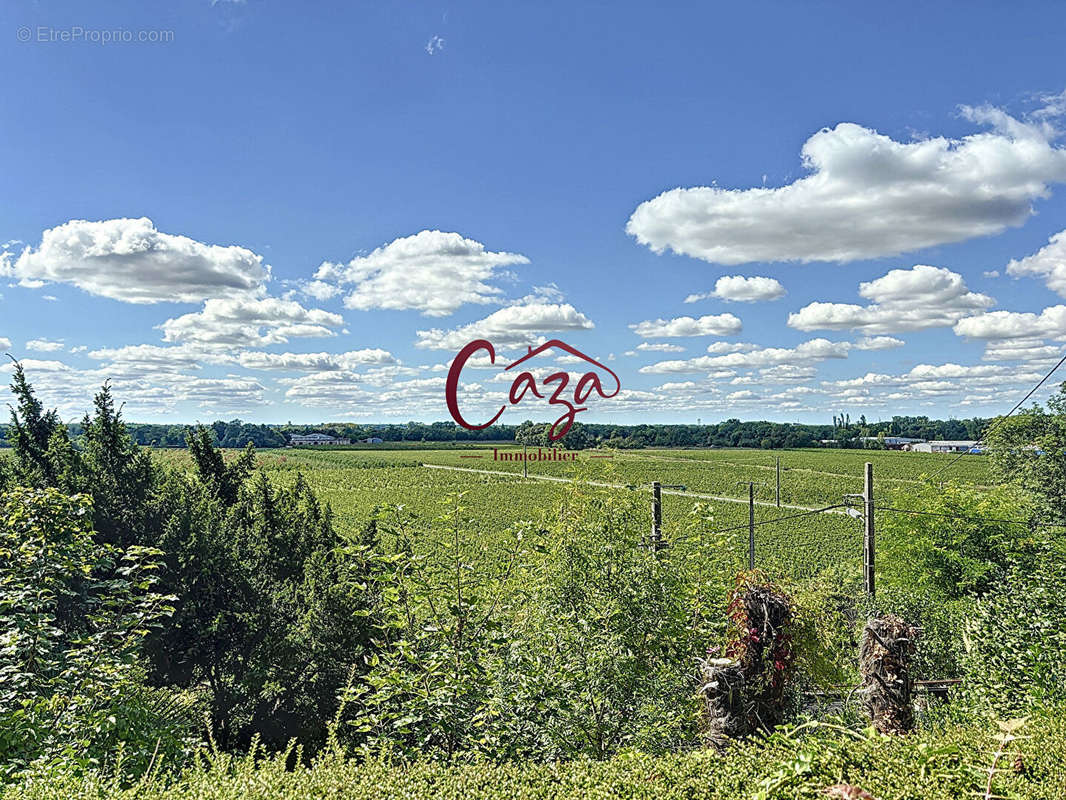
(794, 763)
(73, 616)
(269, 610)
(1015, 642)
(602, 657)
(428, 690)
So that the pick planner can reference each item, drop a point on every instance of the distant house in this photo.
(893, 442)
(946, 446)
(300, 440)
(372, 440)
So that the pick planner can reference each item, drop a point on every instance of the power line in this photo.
(772, 521)
(999, 421)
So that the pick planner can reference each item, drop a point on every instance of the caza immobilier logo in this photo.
(554, 386)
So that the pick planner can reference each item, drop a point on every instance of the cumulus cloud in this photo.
(315, 362)
(131, 261)
(1020, 350)
(1049, 323)
(1049, 263)
(878, 343)
(709, 325)
(221, 394)
(655, 347)
(901, 300)
(45, 345)
(738, 289)
(787, 373)
(513, 326)
(250, 323)
(329, 390)
(4, 343)
(717, 348)
(808, 352)
(320, 290)
(866, 196)
(431, 271)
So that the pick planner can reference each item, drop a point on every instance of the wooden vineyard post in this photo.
(656, 517)
(751, 525)
(868, 541)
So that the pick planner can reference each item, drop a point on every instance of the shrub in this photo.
(271, 610)
(73, 616)
(1015, 642)
(606, 647)
(429, 687)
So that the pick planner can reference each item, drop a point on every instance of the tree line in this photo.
(843, 432)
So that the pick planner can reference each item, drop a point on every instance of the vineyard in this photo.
(355, 482)
(477, 620)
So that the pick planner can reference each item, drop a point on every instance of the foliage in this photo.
(759, 639)
(956, 544)
(271, 611)
(799, 762)
(606, 645)
(117, 474)
(1015, 640)
(429, 689)
(73, 617)
(536, 434)
(1029, 449)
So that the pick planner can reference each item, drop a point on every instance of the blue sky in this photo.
(255, 210)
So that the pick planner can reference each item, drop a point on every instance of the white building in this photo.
(298, 440)
(372, 440)
(893, 442)
(946, 446)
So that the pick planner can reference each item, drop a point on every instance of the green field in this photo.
(355, 482)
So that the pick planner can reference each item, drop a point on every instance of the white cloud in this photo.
(431, 271)
(660, 347)
(1049, 262)
(320, 290)
(867, 196)
(131, 261)
(878, 343)
(807, 352)
(709, 325)
(434, 45)
(512, 326)
(221, 394)
(738, 289)
(1026, 350)
(314, 362)
(655, 347)
(1050, 323)
(901, 300)
(250, 323)
(45, 345)
(717, 348)
(329, 390)
(152, 363)
(4, 343)
(787, 373)
(677, 386)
